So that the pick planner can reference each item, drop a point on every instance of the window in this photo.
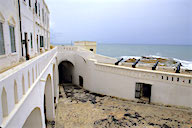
(48, 21)
(2, 48)
(45, 17)
(29, 3)
(36, 6)
(39, 10)
(31, 40)
(43, 14)
(12, 38)
(41, 41)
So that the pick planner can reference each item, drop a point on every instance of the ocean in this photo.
(179, 53)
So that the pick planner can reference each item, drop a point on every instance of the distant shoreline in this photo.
(99, 43)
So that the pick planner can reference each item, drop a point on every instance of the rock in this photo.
(165, 126)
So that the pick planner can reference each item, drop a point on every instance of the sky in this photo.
(121, 21)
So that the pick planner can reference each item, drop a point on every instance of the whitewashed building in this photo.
(24, 30)
(29, 91)
(10, 42)
(89, 45)
(35, 26)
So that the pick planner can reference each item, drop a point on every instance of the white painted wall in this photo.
(101, 78)
(34, 96)
(27, 24)
(120, 81)
(117, 82)
(31, 23)
(8, 15)
(88, 45)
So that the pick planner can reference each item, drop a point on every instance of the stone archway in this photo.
(4, 103)
(65, 72)
(49, 109)
(34, 120)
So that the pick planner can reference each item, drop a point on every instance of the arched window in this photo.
(23, 85)
(4, 103)
(33, 75)
(29, 79)
(36, 71)
(15, 92)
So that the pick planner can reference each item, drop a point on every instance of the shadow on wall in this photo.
(65, 72)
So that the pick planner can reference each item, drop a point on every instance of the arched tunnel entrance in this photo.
(65, 72)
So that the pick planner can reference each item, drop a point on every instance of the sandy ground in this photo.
(79, 108)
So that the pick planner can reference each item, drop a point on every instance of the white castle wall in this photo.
(88, 45)
(120, 81)
(41, 73)
(35, 73)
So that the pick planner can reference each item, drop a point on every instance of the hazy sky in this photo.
(121, 21)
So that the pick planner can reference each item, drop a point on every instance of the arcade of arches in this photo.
(65, 76)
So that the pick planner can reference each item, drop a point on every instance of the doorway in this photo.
(65, 72)
(143, 91)
(81, 81)
(26, 46)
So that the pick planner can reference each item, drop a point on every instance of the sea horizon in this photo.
(177, 52)
(101, 43)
